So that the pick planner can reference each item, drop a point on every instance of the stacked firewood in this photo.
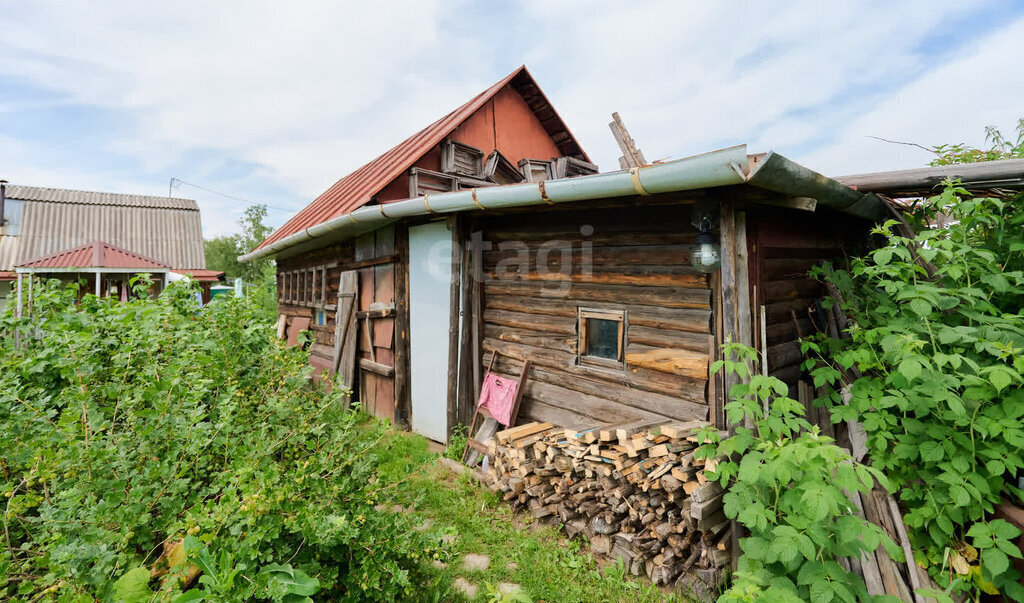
(636, 491)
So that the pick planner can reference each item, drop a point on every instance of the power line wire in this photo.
(171, 186)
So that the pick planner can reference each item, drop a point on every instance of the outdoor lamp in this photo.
(706, 256)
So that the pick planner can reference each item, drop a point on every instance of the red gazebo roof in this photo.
(95, 255)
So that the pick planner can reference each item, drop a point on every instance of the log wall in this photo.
(375, 257)
(288, 304)
(785, 244)
(540, 269)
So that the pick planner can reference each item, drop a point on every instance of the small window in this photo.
(321, 317)
(602, 335)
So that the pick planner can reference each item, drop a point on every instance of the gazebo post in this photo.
(97, 284)
(30, 279)
(20, 302)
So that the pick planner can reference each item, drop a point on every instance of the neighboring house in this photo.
(608, 283)
(103, 237)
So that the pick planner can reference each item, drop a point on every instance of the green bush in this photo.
(128, 428)
(942, 392)
(789, 485)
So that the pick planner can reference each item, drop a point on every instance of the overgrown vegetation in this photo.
(933, 366)
(936, 340)
(788, 485)
(998, 148)
(131, 430)
(942, 392)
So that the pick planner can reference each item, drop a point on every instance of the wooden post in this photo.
(730, 308)
(476, 303)
(467, 321)
(97, 284)
(402, 402)
(31, 277)
(744, 315)
(454, 308)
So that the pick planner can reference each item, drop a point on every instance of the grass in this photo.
(539, 557)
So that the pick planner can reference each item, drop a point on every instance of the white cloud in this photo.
(951, 103)
(300, 94)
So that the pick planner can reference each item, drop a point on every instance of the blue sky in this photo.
(272, 102)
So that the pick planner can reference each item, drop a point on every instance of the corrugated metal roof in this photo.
(61, 195)
(357, 188)
(168, 230)
(97, 254)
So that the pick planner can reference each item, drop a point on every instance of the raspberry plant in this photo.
(788, 484)
(942, 391)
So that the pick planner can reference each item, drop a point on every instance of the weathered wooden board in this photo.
(668, 297)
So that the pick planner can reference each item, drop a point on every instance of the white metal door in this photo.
(430, 256)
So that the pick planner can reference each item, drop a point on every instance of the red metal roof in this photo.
(356, 189)
(201, 275)
(94, 255)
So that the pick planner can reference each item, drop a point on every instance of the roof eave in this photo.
(725, 167)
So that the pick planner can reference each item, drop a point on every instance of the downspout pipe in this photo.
(717, 168)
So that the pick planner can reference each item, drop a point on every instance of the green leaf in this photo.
(192, 596)
(1003, 529)
(754, 546)
(133, 587)
(920, 307)
(821, 592)
(882, 257)
(1000, 378)
(910, 368)
(960, 496)
(810, 572)
(285, 579)
(930, 451)
(994, 561)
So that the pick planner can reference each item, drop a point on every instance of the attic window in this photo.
(602, 337)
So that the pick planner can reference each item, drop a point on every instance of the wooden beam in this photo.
(631, 156)
(477, 303)
(387, 312)
(467, 361)
(345, 327)
(376, 368)
(384, 259)
(730, 308)
(800, 203)
(454, 225)
(402, 403)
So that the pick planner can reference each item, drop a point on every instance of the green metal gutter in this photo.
(725, 167)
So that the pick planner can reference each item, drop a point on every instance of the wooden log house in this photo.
(491, 232)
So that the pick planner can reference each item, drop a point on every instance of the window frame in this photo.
(582, 358)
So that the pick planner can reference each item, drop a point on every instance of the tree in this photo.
(222, 252)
